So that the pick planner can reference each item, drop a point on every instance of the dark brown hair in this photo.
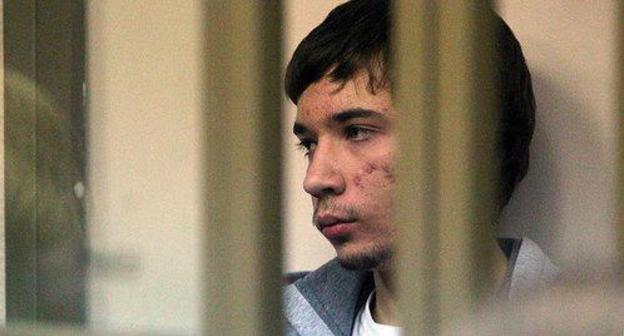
(355, 36)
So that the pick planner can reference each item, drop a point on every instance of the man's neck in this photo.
(385, 307)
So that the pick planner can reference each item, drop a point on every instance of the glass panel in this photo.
(45, 162)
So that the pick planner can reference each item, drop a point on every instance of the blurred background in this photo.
(137, 153)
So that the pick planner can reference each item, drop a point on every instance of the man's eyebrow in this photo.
(349, 114)
(342, 117)
(299, 129)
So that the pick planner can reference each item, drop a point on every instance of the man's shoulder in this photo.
(329, 281)
(324, 299)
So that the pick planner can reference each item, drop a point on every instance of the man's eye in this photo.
(357, 133)
(307, 146)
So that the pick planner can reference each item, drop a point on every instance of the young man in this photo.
(338, 78)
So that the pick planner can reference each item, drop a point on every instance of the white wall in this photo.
(144, 195)
(567, 201)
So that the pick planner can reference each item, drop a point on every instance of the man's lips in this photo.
(333, 226)
(324, 220)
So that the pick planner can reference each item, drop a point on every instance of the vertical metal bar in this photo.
(620, 118)
(444, 210)
(243, 167)
(465, 153)
(416, 216)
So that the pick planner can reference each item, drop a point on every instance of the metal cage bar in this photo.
(466, 150)
(416, 218)
(620, 119)
(242, 77)
(446, 124)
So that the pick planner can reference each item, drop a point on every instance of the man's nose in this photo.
(324, 176)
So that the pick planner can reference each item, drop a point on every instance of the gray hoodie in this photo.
(326, 301)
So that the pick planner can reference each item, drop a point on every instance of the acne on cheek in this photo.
(388, 173)
(357, 180)
(372, 168)
(388, 168)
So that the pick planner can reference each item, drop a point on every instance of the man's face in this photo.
(348, 136)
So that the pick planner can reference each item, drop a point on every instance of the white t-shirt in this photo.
(366, 326)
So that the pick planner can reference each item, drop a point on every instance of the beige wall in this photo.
(144, 130)
(567, 201)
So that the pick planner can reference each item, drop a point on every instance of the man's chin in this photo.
(374, 259)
